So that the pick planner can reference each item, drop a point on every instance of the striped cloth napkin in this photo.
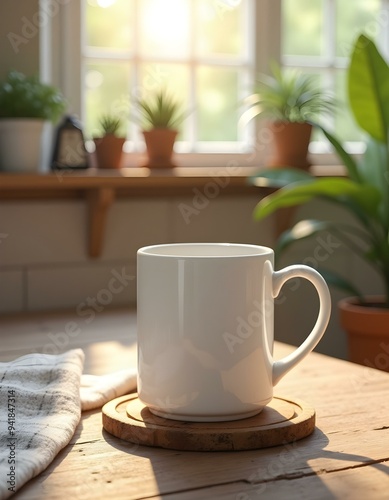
(41, 399)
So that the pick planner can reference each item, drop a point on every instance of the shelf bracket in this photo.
(99, 200)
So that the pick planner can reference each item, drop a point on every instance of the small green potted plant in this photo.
(365, 194)
(109, 145)
(288, 100)
(25, 105)
(160, 116)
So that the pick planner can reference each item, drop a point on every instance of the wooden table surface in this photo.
(347, 456)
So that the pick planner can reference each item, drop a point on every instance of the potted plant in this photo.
(364, 193)
(109, 146)
(161, 115)
(25, 105)
(288, 99)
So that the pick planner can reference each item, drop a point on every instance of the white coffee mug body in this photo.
(205, 329)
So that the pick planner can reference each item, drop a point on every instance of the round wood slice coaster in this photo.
(282, 421)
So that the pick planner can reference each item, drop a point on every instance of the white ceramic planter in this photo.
(20, 144)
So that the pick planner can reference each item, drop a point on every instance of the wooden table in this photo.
(347, 456)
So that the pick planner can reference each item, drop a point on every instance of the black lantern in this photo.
(69, 149)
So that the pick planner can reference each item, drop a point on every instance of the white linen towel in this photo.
(96, 390)
(41, 397)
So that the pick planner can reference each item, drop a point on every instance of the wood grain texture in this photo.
(281, 421)
(125, 182)
(346, 457)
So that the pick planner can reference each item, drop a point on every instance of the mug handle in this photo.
(281, 367)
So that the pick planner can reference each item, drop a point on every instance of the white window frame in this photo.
(66, 72)
(62, 65)
(192, 62)
(330, 62)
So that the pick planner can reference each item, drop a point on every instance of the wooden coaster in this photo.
(281, 421)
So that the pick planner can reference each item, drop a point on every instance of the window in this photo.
(207, 52)
(318, 36)
(199, 50)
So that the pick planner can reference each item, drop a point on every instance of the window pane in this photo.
(219, 27)
(217, 104)
(302, 27)
(164, 27)
(107, 91)
(362, 17)
(109, 23)
(345, 127)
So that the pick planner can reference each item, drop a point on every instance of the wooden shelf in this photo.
(101, 187)
(126, 181)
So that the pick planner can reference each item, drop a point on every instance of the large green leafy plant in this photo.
(27, 97)
(365, 192)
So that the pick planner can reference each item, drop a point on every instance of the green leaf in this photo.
(379, 254)
(279, 177)
(374, 168)
(346, 158)
(353, 207)
(368, 87)
(301, 231)
(27, 97)
(366, 197)
(355, 238)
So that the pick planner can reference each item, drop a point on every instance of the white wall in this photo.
(44, 263)
(19, 35)
(43, 252)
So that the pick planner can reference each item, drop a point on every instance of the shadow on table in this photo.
(281, 471)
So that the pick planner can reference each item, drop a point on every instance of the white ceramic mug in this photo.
(205, 329)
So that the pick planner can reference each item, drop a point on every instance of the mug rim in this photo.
(255, 250)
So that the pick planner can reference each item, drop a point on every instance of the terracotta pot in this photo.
(159, 145)
(290, 144)
(367, 328)
(109, 151)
